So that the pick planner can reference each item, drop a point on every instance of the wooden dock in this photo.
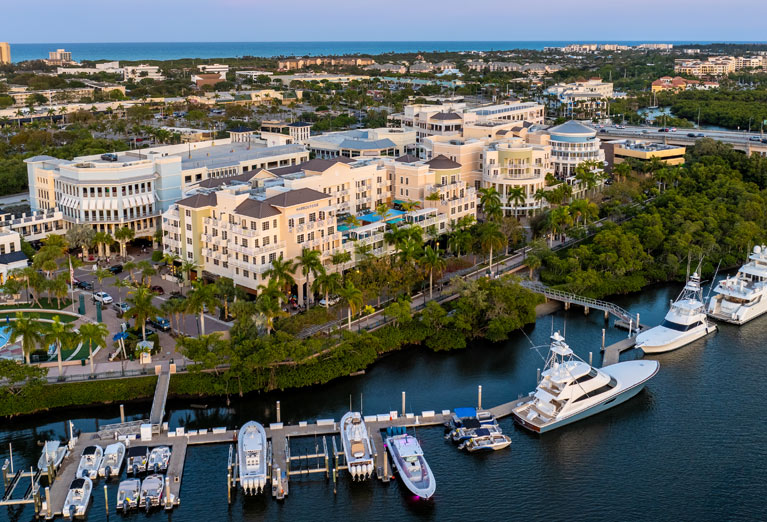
(613, 352)
(160, 397)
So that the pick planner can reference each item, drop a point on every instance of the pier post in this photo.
(168, 501)
(48, 507)
(229, 487)
(10, 454)
(603, 339)
(586, 310)
(607, 315)
(386, 464)
(403, 404)
(122, 413)
(631, 326)
(638, 322)
(278, 412)
(479, 397)
(6, 464)
(567, 305)
(106, 501)
(538, 376)
(591, 358)
(335, 481)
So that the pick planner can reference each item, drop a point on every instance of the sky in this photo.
(369, 20)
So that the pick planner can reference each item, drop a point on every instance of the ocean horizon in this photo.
(135, 51)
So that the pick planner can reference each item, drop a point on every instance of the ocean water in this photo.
(204, 50)
(691, 446)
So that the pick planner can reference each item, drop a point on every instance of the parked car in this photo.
(160, 323)
(690, 134)
(115, 269)
(84, 285)
(102, 297)
(699, 135)
(672, 129)
(120, 308)
(755, 138)
(333, 299)
(764, 140)
(157, 289)
(176, 295)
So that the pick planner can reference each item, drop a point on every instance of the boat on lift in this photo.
(685, 322)
(114, 454)
(159, 458)
(410, 463)
(571, 389)
(743, 297)
(252, 451)
(128, 494)
(90, 461)
(53, 454)
(485, 440)
(357, 446)
(78, 498)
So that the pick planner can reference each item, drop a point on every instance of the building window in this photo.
(189, 241)
(266, 241)
(265, 225)
(188, 213)
(244, 242)
(299, 239)
(272, 257)
(312, 217)
(189, 227)
(291, 222)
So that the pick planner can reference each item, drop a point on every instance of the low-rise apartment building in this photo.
(11, 256)
(718, 65)
(139, 72)
(582, 99)
(106, 67)
(289, 64)
(618, 151)
(677, 83)
(298, 130)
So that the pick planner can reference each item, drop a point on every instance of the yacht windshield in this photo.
(680, 327)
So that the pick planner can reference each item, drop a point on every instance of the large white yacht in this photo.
(357, 446)
(740, 298)
(684, 323)
(252, 450)
(571, 389)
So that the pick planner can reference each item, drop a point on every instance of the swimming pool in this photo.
(5, 333)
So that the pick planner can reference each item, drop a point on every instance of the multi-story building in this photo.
(106, 67)
(584, 99)
(289, 64)
(139, 72)
(5, 52)
(132, 188)
(618, 151)
(677, 83)
(59, 57)
(214, 68)
(298, 130)
(251, 75)
(362, 143)
(387, 68)
(11, 256)
(718, 65)
(572, 143)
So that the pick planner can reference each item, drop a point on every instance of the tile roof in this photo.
(295, 197)
(245, 177)
(443, 162)
(256, 209)
(315, 165)
(199, 201)
(446, 116)
(407, 158)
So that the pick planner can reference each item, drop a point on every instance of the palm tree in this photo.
(226, 291)
(81, 236)
(539, 195)
(58, 287)
(353, 297)
(560, 220)
(141, 307)
(352, 221)
(341, 258)
(432, 261)
(60, 334)
(459, 241)
(382, 210)
(201, 296)
(327, 283)
(34, 281)
(310, 262)
(533, 262)
(120, 284)
(268, 306)
(123, 236)
(147, 271)
(57, 243)
(490, 200)
(187, 267)
(29, 328)
(102, 240)
(490, 238)
(282, 272)
(515, 198)
(93, 334)
(101, 274)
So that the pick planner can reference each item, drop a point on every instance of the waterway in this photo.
(691, 446)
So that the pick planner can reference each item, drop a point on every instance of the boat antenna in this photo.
(688, 265)
(360, 404)
(350, 402)
(713, 280)
(533, 346)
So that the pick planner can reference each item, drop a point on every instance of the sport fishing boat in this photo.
(128, 493)
(137, 459)
(407, 455)
(90, 462)
(78, 498)
(684, 323)
(152, 489)
(53, 454)
(158, 460)
(114, 455)
(571, 389)
(252, 452)
(357, 446)
(485, 440)
(740, 298)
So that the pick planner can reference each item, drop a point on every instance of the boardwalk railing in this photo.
(567, 297)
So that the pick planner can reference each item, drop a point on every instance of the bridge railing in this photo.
(560, 295)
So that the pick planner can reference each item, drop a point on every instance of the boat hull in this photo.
(422, 492)
(675, 344)
(741, 315)
(252, 481)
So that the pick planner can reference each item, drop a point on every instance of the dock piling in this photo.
(6, 465)
(278, 412)
(479, 397)
(10, 454)
(538, 376)
(403, 403)
(48, 506)
(106, 501)
(603, 339)
(638, 321)
(228, 487)
(327, 458)
(122, 413)
(168, 500)
(591, 358)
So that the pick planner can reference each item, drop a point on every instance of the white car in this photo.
(102, 297)
(332, 300)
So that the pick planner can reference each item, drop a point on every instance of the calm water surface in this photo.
(691, 446)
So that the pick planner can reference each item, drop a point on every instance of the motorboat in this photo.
(114, 454)
(357, 446)
(137, 459)
(684, 323)
(152, 489)
(252, 452)
(158, 460)
(78, 498)
(90, 461)
(571, 389)
(465, 421)
(53, 454)
(128, 494)
(740, 298)
(469, 430)
(485, 440)
(407, 455)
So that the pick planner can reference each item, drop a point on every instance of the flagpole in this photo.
(72, 282)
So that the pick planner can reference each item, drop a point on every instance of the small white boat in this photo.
(407, 455)
(684, 323)
(252, 453)
(485, 440)
(114, 454)
(90, 461)
(152, 490)
(470, 428)
(78, 498)
(53, 454)
(571, 389)
(357, 446)
(137, 459)
(128, 494)
(159, 458)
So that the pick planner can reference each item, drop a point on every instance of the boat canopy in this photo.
(462, 413)
(90, 450)
(77, 483)
(471, 423)
(482, 432)
(137, 451)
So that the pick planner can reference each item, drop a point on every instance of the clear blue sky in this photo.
(367, 20)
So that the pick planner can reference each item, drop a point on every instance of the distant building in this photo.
(421, 67)
(582, 99)
(139, 72)
(289, 64)
(387, 68)
(5, 52)
(200, 80)
(59, 57)
(718, 65)
(251, 75)
(11, 256)
(573, 143)
(215, 68)
(362, 143)
(618, 151)
(299, 130)
(107, 67)
(677, 83)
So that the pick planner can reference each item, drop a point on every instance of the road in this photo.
(736, 138)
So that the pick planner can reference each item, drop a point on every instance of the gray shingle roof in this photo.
(442, 162)
(316, 165)
(256, 209)
(446, 116)
(199, 201)
(384, 143)
(295, 197)
(12, 257)
(407, 158)
(573, 127)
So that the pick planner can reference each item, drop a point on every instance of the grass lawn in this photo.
(45, 305)
(43, 315)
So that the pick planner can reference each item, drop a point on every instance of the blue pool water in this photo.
(4, 335)
(372, 218)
